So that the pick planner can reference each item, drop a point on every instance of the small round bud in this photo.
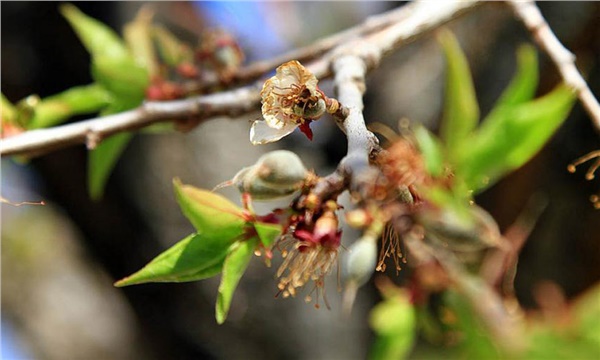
(281, 168)
(358, 218)
(473, 233)
(361, 261)
(275, 174)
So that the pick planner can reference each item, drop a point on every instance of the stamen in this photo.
(590, 173)
(390, 248)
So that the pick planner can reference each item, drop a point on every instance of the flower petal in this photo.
(273, 120)
(262, 133)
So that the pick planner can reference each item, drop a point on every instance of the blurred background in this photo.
(59, 261)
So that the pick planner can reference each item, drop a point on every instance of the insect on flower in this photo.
(290, 99)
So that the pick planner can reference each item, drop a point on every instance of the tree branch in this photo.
(350, 71)
(349, 63)
(425, 16)
(258, 69)
(564, 60)
(408, 22)
(91, 132)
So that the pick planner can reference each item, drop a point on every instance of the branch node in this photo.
(92, 139)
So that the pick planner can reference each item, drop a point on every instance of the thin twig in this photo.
(258, 69)
(425, 16)
(499, 266)
(349, 63)
(91, 132)
(349, 78)
(350, 72)
(417, 19)
(532, 18)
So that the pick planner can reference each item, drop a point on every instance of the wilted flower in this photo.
(290, 99)
(403, 165)
(311, 254)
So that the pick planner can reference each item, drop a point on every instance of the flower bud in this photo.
(276, 174)
(474, 233)
(361, 260)
(281, 168)
(360, 265)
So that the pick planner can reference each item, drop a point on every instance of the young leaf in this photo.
(197, 257)
(512, 137)
(98, 39)
(431, 149)
(113, 66)
(394, 322)
(476, 339)
(115, 69)
(268, 233)
(210, 213)
(461, 112)
(102, 160)
(171, 50)
(523, 85)
(234, 267)
(75, 101)
(138, 36)
(587, 312)
(123, 77)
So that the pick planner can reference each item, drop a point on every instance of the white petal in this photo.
(261, 133)
(273, 121)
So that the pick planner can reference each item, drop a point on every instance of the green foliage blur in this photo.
(478, 155)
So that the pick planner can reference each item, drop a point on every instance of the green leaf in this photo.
(197, 257)
(210, 213)
(476, 341)
(579, 338)
(113, 66)
(171, 50)
(268, 233)
(394, 322)
(431, 149)
(25, 110)
(102, 160)
(234, 267)
(587, 312)
(78, 100)
(138, 36)
(547, 343)
(523, 85)
(98, 39)
(461, 112)
(512, 137)
(123, 77)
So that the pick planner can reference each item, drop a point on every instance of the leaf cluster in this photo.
(226, 237)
